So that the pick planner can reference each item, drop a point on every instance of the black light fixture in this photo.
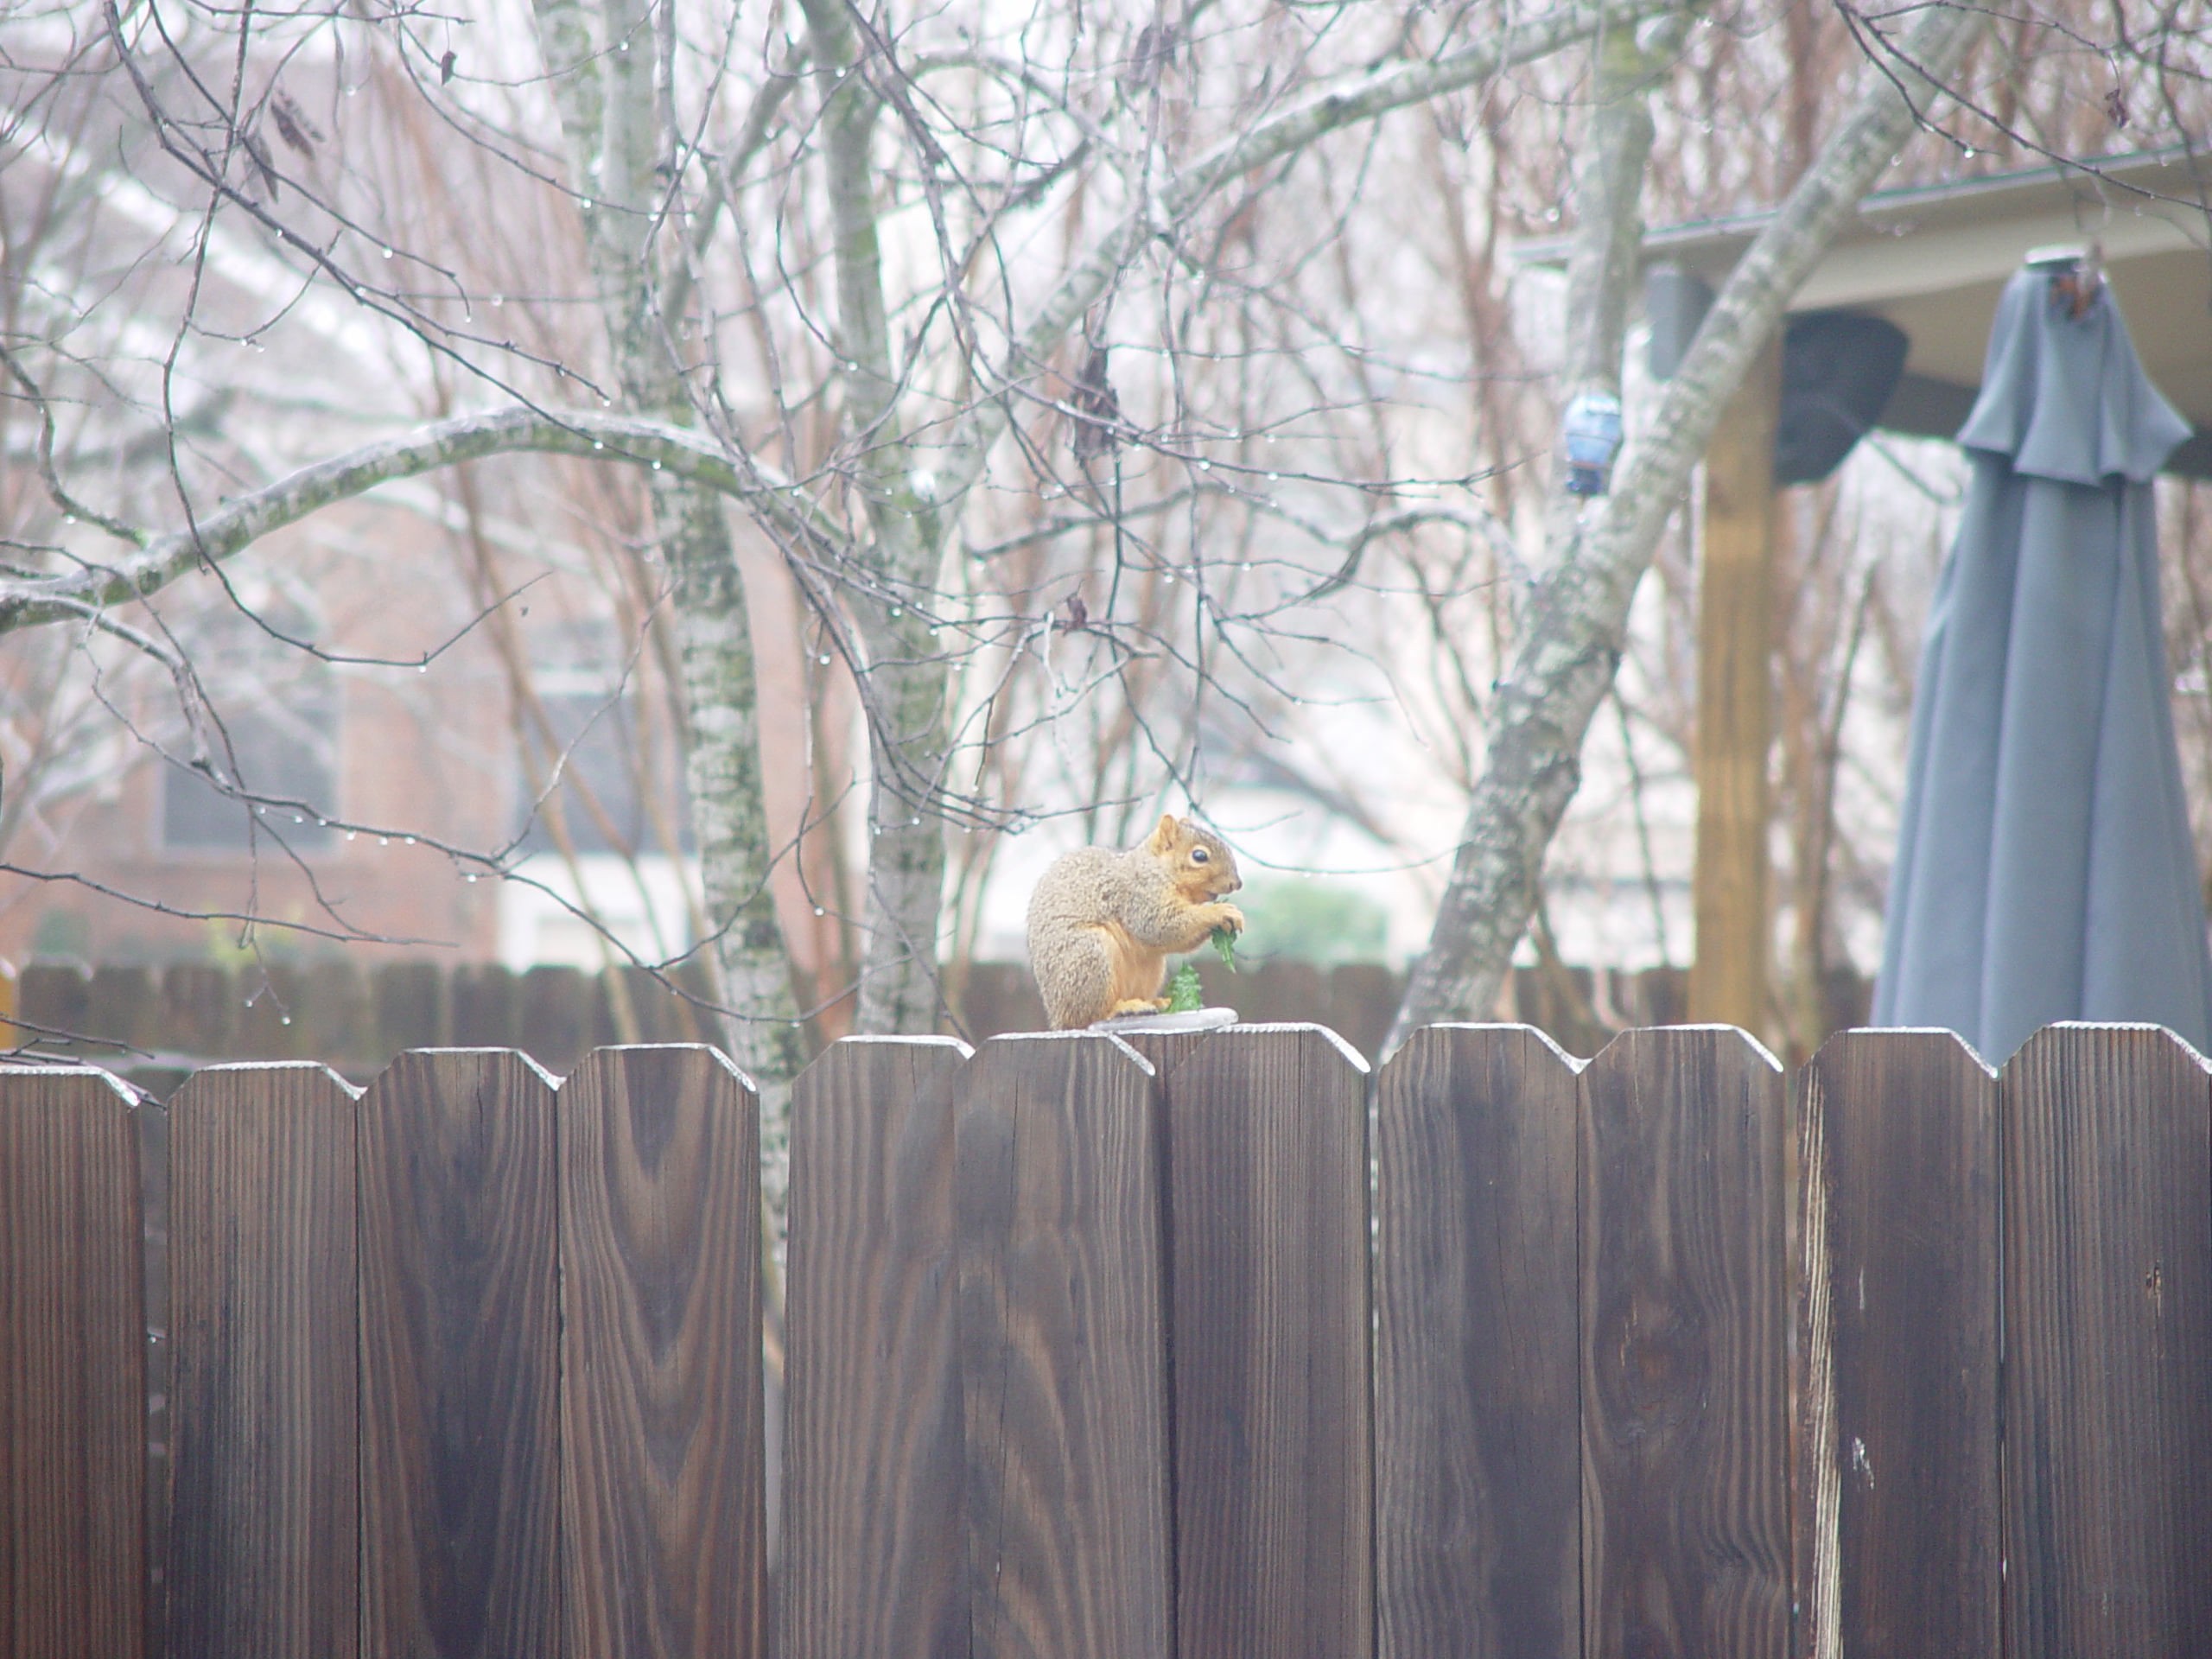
(1838, 370)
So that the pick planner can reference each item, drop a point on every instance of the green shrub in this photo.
(1310, 919)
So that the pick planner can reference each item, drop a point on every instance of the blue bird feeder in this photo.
(1592, 433)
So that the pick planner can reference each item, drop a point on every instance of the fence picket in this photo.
(152, 1122)
(332, 1017)
(1062, 1326)
(1478, 1424)
(459, 1359)
(1686, 1538)
(662, 1484)
(354, 1020)
(263, 1523)
(197, 1011)
(409, 1006)
(122, 1003)
(2108, 1337)
(557, 1016)
(874, 1557)
(484, 1006)
(72, 1380)
(1899, 1514)
(52, 998)
(270, 1022)
(1269, 1242)
(1163, 1051)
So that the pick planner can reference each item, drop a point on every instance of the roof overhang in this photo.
(1933, 260)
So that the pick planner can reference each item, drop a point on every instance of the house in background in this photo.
(482, 684)
(383, 783)
(361, 770)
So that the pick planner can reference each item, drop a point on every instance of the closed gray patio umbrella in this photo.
(2044, 869)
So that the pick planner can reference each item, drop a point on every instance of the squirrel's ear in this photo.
(1163, 838)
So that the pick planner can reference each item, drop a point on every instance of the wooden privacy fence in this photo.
(354, 1019)
(1099, 1349)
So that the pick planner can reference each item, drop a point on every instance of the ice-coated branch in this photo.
(28, 601)
(1341, 104)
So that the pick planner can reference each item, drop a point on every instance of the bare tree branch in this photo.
(26, 601)
(1360, 97)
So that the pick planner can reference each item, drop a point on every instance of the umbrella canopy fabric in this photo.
(2044, 868)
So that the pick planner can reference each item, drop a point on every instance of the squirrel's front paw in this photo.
(1229, 917)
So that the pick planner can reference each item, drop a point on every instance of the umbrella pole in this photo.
(1728, 980)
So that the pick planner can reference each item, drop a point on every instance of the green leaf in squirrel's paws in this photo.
(1225, 945)
(1184, 993)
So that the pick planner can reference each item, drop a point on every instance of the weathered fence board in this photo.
(1063, 1339)
(72, 1388)
(153, 1125)
(1478, 1419)
(272, 1023)
(196, 997)
(53, 997)
(263, 1521)
(459, 1358)
(1898, 1514)
(663, 1488)
(334, 1014)
(2108, 1341)
(484, 999)
(1163, 1051)
(874, 1560)
(122, 1002)
(556, 1015)
(411, 1009)
(1686, 1535)
(1266, 1133)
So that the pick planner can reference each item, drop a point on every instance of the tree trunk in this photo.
(1577, 621)
(907, 742)
(892, 588)
(605, 84)
(729, 816)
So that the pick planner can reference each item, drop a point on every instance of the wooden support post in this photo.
(1735, 603)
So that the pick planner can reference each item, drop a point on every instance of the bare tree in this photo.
(866, 525)
(1080, 371)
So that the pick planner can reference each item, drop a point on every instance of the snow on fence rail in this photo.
(1099, 1348)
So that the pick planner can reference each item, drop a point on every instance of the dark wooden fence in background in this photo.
(353, 1019)
(1093, 1352)
(356, 1020)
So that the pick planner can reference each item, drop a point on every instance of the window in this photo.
(605, 753)
(285, 750)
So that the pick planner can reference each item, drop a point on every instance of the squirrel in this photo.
(1103, 922)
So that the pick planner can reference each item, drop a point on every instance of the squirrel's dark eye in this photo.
(1197, 854)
